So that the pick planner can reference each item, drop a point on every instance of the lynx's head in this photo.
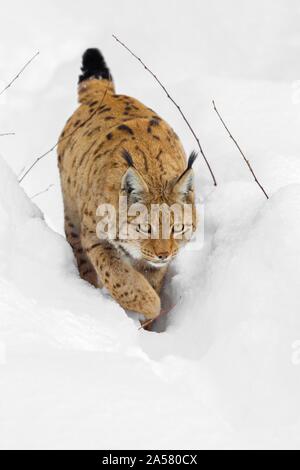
(156, 220)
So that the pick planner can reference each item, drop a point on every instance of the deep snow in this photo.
(74, 369)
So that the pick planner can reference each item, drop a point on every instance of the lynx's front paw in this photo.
(150, 308)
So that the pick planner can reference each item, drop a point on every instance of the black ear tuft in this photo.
(192, 158)
(127, 157)
(94, 66)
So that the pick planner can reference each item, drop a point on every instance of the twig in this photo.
(174, 102)
(42, 192)
(163, 312)
(7, 133)
(19, 73)
(240, 150)
(21, 171)
(147, 323)
(63, 138)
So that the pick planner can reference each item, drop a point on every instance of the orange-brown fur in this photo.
(91, 170)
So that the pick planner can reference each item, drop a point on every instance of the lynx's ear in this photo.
(185, 182)
(133, 183)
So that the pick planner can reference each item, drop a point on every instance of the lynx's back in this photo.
(104, 124)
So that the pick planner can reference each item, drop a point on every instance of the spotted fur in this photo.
(107, 137)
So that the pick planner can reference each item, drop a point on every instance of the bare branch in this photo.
(63, 138)
(19, 73)
(147, 323)
(174, 102)
(21, 171)
(240, 150)
(42, 192)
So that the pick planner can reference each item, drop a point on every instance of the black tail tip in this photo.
(94, 66)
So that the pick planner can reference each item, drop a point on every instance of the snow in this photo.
(223, 372)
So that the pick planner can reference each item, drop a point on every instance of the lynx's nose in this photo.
(162, 256)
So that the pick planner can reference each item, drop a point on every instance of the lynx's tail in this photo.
(94, 66)
(95, 80)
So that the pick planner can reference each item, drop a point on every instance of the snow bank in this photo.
(72, 371)
(76, 372)
(39, 264)
(246, 315)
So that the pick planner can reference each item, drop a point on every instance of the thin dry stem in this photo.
(174, 102)
(149, 322)
(43, 191)
(63, 138)
(19, 73)
(240, 150)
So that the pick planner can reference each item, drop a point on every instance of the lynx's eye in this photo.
(178, 228)
(144, 228)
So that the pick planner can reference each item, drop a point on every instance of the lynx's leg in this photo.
(85, 267)
(156, 276)
(126, 285)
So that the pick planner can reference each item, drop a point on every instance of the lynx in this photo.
(114, 146)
